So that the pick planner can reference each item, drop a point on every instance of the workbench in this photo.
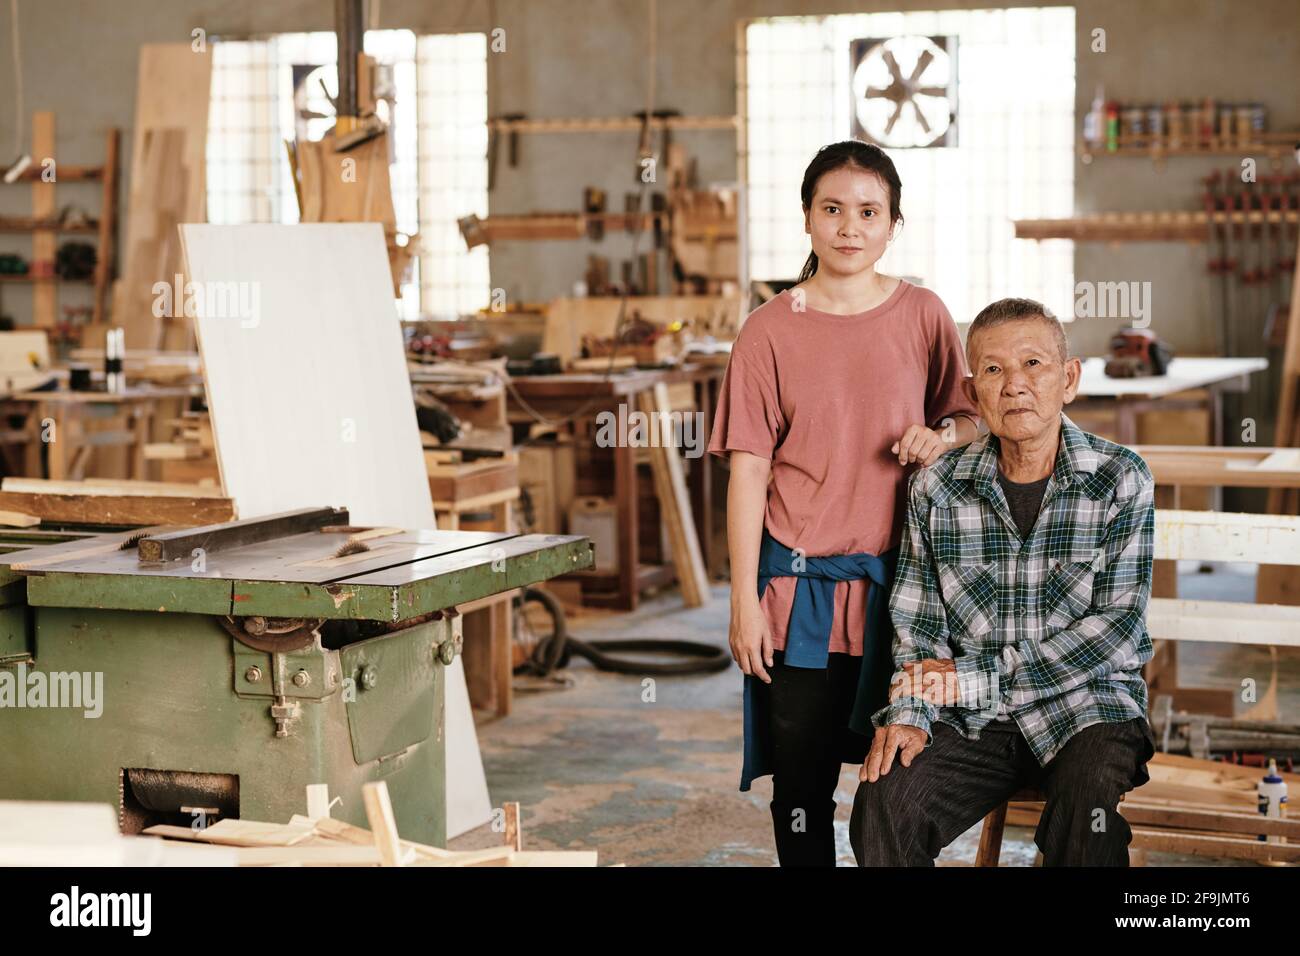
(1127, 398)
(56, 420)
(242, 661)
(563, 395)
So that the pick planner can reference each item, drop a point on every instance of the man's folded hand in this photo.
(933, 680)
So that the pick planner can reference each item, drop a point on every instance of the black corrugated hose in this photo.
(555, 651)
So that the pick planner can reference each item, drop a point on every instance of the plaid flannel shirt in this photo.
(1050, 630)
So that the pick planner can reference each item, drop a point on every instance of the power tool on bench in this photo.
(1137, 353)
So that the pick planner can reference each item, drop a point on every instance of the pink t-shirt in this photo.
(824, 397)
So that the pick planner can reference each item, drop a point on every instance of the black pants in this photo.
(810, 742)
(907, 816)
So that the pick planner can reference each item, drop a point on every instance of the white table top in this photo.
(1183, 373)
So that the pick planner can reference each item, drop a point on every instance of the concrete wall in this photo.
(586, 58)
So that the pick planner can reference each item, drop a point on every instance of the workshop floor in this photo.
(648, 775)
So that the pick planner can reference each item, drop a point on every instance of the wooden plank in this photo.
(480, 657)
(298, 420)
(1223, 622)
(1226, 821)
(229, 535)
(1214, 772)
(1197, 467)
(241, 833)
(505, 856)
(1281, 459)
(340, 855)
(379, 813)
(1221, 847)
(674, 501)
(458, 482)
(173, 84)
(359, 836)
(168, 832)
(44, 206)
(120, 509)
(152, 254)
(452, 510)
(171, 451)
(108, 486)
(173, 91)
(18, 519)
(514, 837)
(1216, 536)
(107, 230)
(364, 194)
(1279, 585)
(551, 858)
(492, 856)
(1288, 403)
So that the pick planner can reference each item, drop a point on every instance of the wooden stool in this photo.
(990, 848)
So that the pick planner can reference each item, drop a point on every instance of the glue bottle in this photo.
(1093, 121)
(1272, 797)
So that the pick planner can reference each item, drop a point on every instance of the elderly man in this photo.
(1019, 609)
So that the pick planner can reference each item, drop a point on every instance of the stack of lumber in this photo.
(1198, 807)
(190, 457)
(323, 841)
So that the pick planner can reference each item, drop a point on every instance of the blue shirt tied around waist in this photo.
(808, 638)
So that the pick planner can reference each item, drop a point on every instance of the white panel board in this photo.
(311, 402)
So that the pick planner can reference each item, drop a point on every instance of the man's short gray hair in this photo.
(1016, 310)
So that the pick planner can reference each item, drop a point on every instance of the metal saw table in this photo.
(242, 661)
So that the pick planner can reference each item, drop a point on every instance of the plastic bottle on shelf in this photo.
(1093, 122)
(1271, 791)
(1112, 126)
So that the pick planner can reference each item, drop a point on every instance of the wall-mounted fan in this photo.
(904, 91)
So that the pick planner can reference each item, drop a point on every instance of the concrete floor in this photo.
(646, 772)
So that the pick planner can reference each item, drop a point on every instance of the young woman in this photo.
(835, 391)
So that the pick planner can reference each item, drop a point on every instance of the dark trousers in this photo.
(810, 741)
(907, 816)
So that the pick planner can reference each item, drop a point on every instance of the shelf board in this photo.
(1272, 145)
(31, 225)
(41, 279)
(62, 173)
(1160, 226)
(617, 124)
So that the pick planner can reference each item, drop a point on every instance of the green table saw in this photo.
(242, 661)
